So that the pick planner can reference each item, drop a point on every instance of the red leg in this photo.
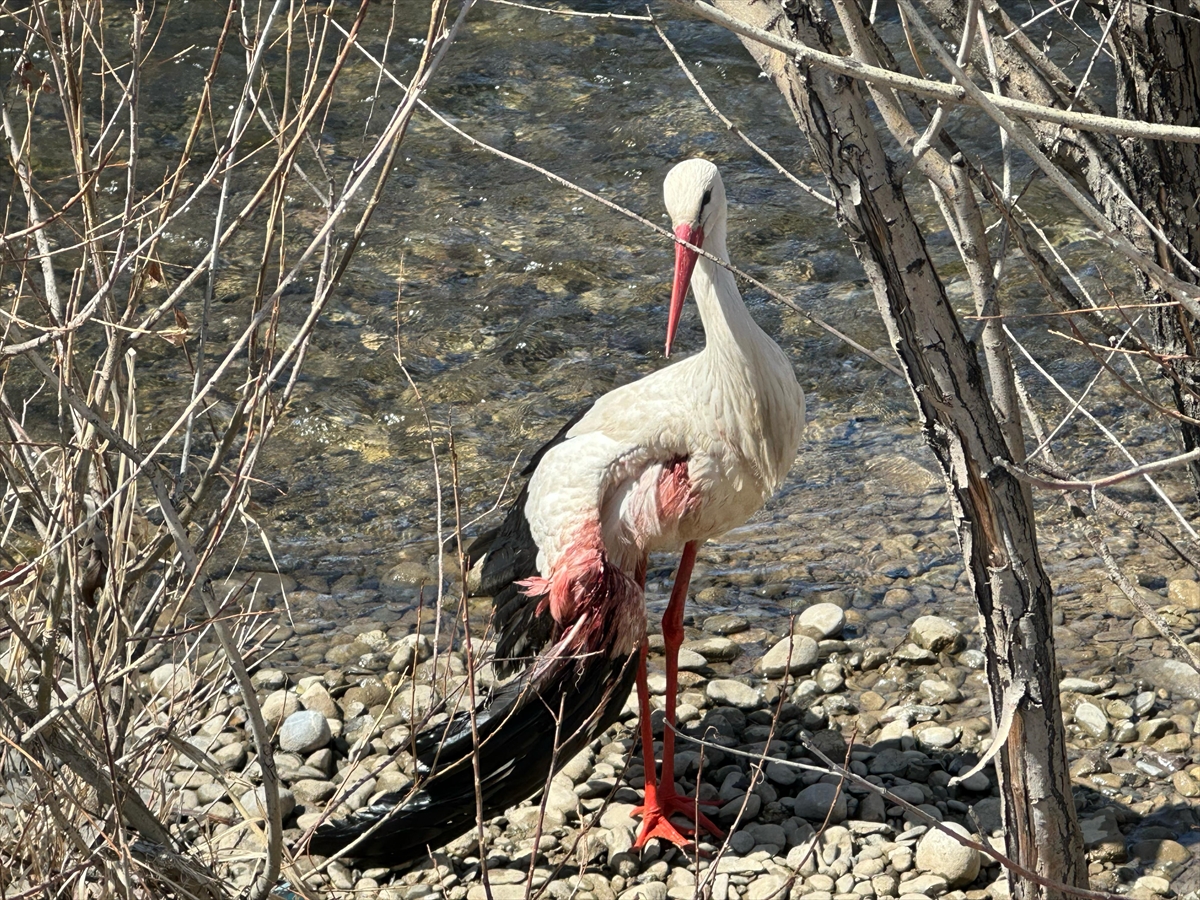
(654, 822)
(662, 802)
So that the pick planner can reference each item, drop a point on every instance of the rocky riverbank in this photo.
(907, 715)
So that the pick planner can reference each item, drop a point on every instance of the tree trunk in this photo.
(992, 513)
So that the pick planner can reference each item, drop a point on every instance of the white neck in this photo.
(728, 325)
(766, 405)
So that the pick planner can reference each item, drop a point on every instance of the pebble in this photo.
(792, 655)
(654, 890)
(1153, 729)
(766, 887)
(938, 737)
(912, 653)
(829, 678)
(715, 649)
(935, 634)
(1151, 886)
(821, 620)
(1079, 686)
(231, 757)
(342, 654)
(1170, 674)
(278, 706)
(308, 791)
(977, 781)
(316, 697)
(253, 802)
(1186, 784)
(815, 802)
(1184, 593)
(734, 693)
(268, 680)
(1092, 720)
(940, 854)
(409, 652)
(304, 731)
(725, 624)
(927, 885)
(1164, 857)
(1102, 836)
(937, 691)
(170, 680)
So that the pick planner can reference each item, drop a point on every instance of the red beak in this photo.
(685, 262)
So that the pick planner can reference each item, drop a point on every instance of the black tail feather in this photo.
(516, 754)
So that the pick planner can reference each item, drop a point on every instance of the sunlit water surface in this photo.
(512, 302)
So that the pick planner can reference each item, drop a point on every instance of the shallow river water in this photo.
(513, 302)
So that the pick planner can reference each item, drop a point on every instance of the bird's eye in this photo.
(704, 200)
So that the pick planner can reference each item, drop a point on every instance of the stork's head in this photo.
(695, 200)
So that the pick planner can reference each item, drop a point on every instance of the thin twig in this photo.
(728, 123)
(947, 93)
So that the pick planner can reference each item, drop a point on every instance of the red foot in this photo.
(656, 813)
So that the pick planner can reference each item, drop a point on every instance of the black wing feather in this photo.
(516, 753)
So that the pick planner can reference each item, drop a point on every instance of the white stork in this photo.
(660, 464)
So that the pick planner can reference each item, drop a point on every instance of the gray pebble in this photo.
(1178, 678)
(715, 649)
(409, 652)
(170, 680)
(792, 655)
(829, 678)
(872, 808)
(733, 693)
(940, 854)
(255, 804)
(741, 842)
(928, 885)
(730, 810)
(935, 634)
(1144, 702)
(822, 620)
(779, 774)
(973, 659)
(814, 803)
(938, 737)
(1079, 686)
(232, 756)
(937, 691)
(806, 694)
(304, 731)
(317, 698)
(309, 791)
(724, 624)
(1152, 729)
(653, 890)
(767, 887)
(278, 706)
(268, 680)
(912, 653)
(343, 654)
(1124, 732)
(976, 782)
(1091, 719)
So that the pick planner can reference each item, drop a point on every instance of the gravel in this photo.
(874, 679)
